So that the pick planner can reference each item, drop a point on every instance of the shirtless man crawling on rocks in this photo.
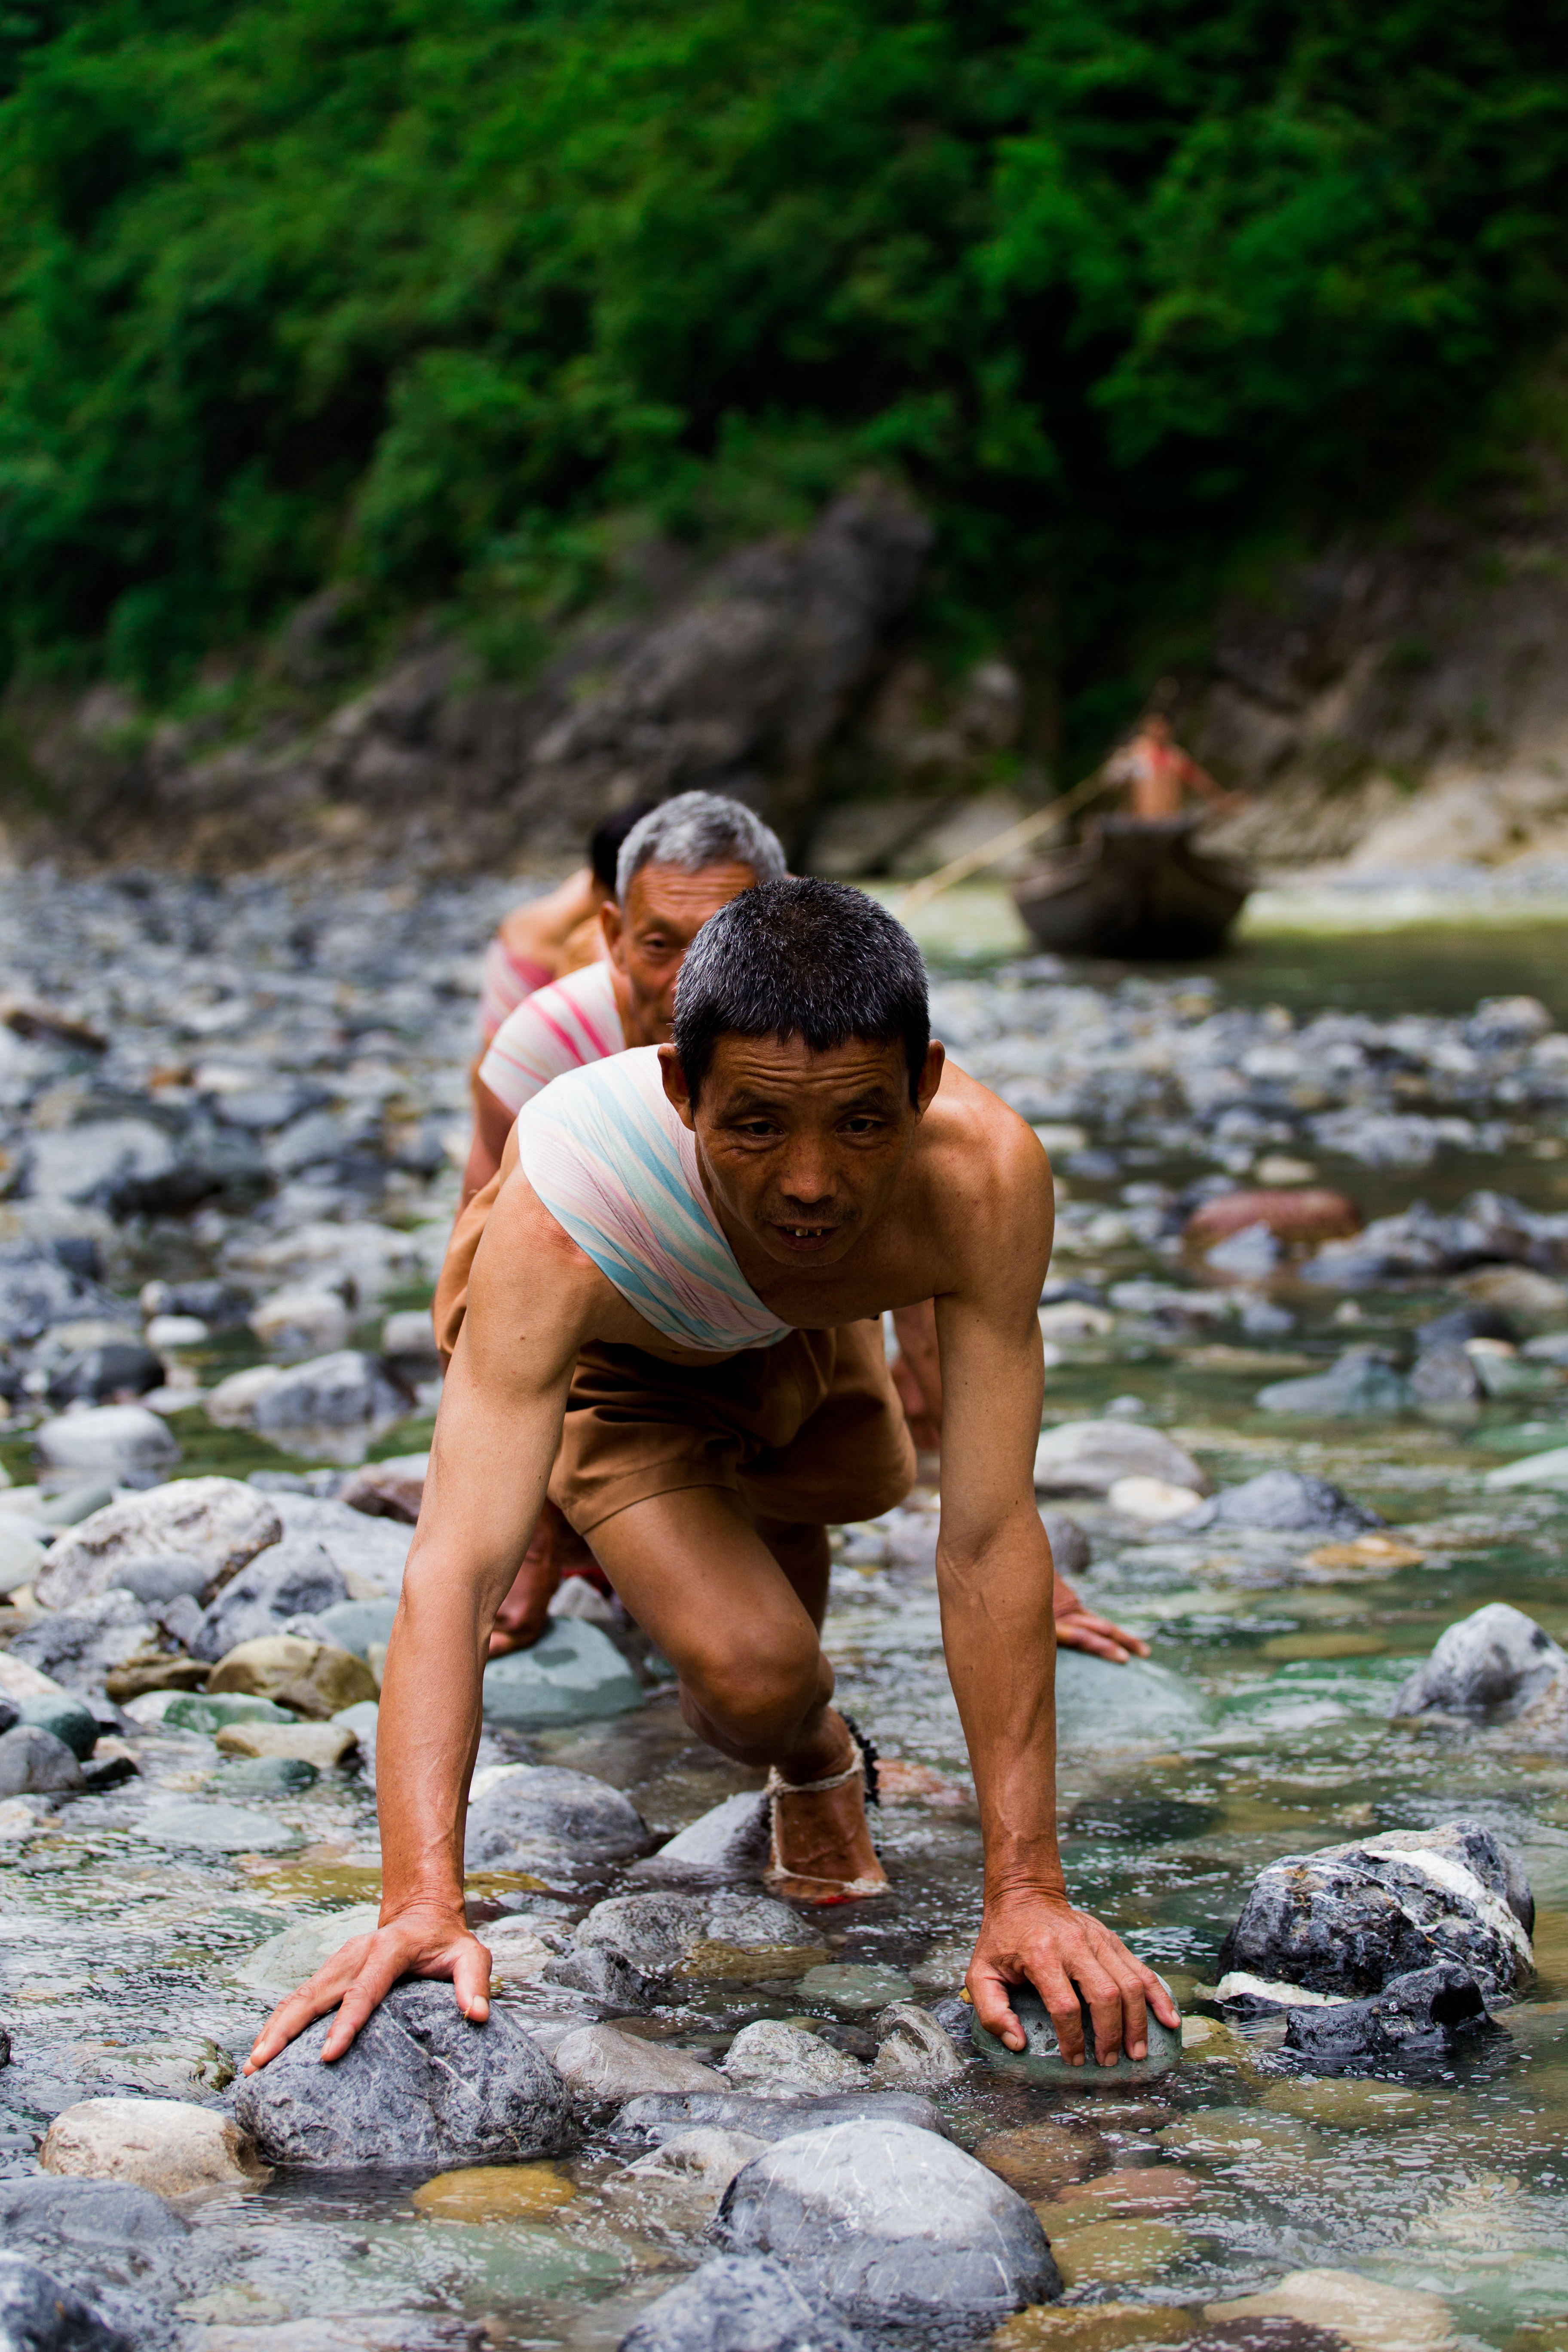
(670, 1324)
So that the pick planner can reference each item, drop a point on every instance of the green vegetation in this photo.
(445, 296)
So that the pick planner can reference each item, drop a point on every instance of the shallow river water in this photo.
(1262, 1726)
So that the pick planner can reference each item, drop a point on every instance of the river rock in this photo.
(912, 2050)
(650, 2121)
(573, 1674)
(357, 1627)
(80, 1647)
(1071, 1550)
(1366, 1383)
(319, 1744)
(652, 1936)
(118, 1369)
(1424, 2013)
(896, 2227)
(166, 2144)
(22, 1553)
(1498, 1663)
(420, 2085)
(770, 2056)
(1289, 1501)
(740, 2302)
(68, 1717)
(1446, 1376)
(39, 2313)
(1089, 1456)
(1040, 2061)
(1347, 1919)
(601, 2066)
(35, 1763)
(1297, 1213)
(38, 1288)
(729, 1841)
(209, 1711)
(217, 1829)
(285, 1962)
(121, 1442)
(542, 1815)
(291, 1579)
(1103, 1705)
(161, 1578)
(370, 1554)
(54, 2213)
(231, 1402)
(345, 1389)
(392, 1490)
(1362, 2312)
(312, 1677)
(218, 1520)
(301, 1320)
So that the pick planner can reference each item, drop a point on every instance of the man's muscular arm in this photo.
(530, 1307)
(993, 1569)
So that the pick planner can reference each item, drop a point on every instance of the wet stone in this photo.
(854, 1986)
(741, 2304)
(291, 1579)
(774, 2056)
(34, 1762)
(1040, 2061)
(124, 1441)
(66, 1717)
(1366, 1383)
(39, 2314)
(1289, 1501)
(1498, 1663)
(573, 1674)
(1429, 2011)
(544, 1813)
(420, 2085)
(600, 2066)
(218, 1520)
(895, 2226)
(730, 1841)
(649, 2122)
(217, 1829)
(1089, 1456)
(169, 2145)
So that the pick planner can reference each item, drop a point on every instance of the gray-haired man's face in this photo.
(648, 936)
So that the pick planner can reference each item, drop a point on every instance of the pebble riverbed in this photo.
(229, 1118)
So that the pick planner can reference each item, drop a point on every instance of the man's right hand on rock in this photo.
(429, 1942)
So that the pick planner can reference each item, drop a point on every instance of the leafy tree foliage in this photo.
(423, 290)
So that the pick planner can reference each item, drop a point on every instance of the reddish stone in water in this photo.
(1307, 1213)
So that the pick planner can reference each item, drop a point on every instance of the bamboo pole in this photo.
(1018, 836)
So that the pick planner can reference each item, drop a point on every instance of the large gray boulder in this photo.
(1287, 1501)
(1427, 2013)
(291, 1579)
(1347, 1919)
(1088, 1457)
(896, 2227)
(219, 1520)
(420, 2085)
(741, 2302)
(541, 1817)
(651, 1936)
(39, 2313)
(1497, 1664)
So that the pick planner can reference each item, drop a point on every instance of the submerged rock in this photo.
(1289, 1501)
(769, 2056)
(49, 2211)
(218, 1520)
(217, 1829)
(39, 2313)
(574, 1674)
(913, 2049)
(741, 2302)
(532, 1815)
(1349, 1918)
(1496, 1663)
(651, 2121)
(896, 2227)
(1359, 2310)
(1088, 1457)
(314, 1678)
(1424, 2013)
(166, 2144)
(420, 2085)
(652, 1936)
(599, 2065)
(1366, 1383)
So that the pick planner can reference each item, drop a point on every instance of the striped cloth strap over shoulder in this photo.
(558, 1028)
(616, 1168)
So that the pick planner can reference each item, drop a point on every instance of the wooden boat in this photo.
(1134, 887)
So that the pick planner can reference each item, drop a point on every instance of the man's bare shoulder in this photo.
(528, 1263)
(984, 1172)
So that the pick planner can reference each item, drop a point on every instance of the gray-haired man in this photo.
(677, 865)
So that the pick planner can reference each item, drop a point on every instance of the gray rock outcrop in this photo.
(542, 1814)
(420, 2085)
(1497, 1665)
(1349, 1920)
(291, 1579)
(741, 2302)
(896, 2227)
(219, 1520)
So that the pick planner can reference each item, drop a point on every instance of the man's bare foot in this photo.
(822, 1851)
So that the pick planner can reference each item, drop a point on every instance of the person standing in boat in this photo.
(1158, 774)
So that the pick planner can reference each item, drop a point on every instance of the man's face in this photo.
(648, 937)
(803, 1149)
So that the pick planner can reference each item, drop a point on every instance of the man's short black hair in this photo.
(801, 959)
(605, 841)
